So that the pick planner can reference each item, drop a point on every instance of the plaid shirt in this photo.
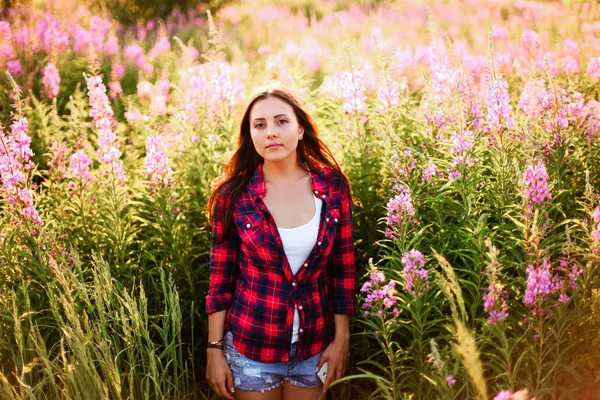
(250, 275)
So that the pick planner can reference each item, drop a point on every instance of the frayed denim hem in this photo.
(259, 390)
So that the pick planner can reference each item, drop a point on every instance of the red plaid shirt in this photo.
(250, 276)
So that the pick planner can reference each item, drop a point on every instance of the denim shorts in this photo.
(257, 376)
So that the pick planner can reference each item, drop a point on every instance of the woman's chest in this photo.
(290, 207)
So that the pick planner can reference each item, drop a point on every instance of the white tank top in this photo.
(297, 244)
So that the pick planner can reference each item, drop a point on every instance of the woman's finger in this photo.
(223, 389)
(229, 381)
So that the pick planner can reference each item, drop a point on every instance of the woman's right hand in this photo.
(218, 373)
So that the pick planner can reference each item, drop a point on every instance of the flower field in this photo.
(469, 130)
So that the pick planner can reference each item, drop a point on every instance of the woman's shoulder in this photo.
(332, 176)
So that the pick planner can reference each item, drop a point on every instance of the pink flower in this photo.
(415, 275)
(348, 86)
(507, 395)
(430, 171)
(79, 170)
(390, 92)
(161, 46)
(111, 47)
(530, 41)
(115, 89)
(596, 215)
(118, 71)
(593, 68)
(58, 160)
(14, 67)
(536, 184)
(104, 122)
(494, 302)
(540, 284)
(15, 156)
(450, 381)
(157, 162)
(50, 81)
(400, 206)
(498, 104)
(50, 35)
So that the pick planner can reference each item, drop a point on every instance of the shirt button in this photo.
(318, 243)
(300, 330)
(248, 225)
(293, 283)
(299, 307)
(327, 219)
(306, 264)
(336, 220)
(323, 196)
(316, 192)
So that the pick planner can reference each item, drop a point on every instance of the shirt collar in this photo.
(258, 188)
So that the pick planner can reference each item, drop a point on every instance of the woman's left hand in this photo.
(337, 354)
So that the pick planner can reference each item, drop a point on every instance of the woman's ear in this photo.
(300, 133)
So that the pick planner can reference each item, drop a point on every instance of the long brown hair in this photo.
(240, 168)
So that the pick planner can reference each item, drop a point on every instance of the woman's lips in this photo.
(273, 146)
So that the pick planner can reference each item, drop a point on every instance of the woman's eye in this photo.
(282, 121)
(258, 126)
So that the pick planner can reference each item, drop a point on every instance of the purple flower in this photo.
(400, 206)
(79, 170)
(530, 41)
(378, 295)
(14, 67)
(593, 68)
(50, 81)
(415, 275)
(450, 381)
(430, 171)
(498, 104)
(540, 284)
(494, 302)
(103, 120)
(349, 86)
(58, 160)
(208, 90)
(15, 160)
(536, 184)
(157, 162)
(533, 101)
(389, 93)
(507, 395)
(462, 144)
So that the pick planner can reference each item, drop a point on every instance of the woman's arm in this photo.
(341, 271)
(224, 269)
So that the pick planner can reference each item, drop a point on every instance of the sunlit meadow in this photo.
(470, 131)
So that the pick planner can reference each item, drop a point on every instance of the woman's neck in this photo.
(283, 171)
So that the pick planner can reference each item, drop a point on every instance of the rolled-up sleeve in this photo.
(224, 269)
(341, 271)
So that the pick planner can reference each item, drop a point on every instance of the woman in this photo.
(282, 260)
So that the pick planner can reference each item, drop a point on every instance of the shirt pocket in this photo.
(331, 223)
(250, 229)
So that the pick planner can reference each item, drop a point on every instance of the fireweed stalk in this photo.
(494, 301)
(541, 282)
(103, 120)
(400, 209)
(381, 316)
(157, 163)
(15, 162)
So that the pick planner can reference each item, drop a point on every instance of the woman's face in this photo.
(274, 129)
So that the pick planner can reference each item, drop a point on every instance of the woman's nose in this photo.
(271, 132)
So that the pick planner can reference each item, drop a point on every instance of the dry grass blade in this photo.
(467, 348)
